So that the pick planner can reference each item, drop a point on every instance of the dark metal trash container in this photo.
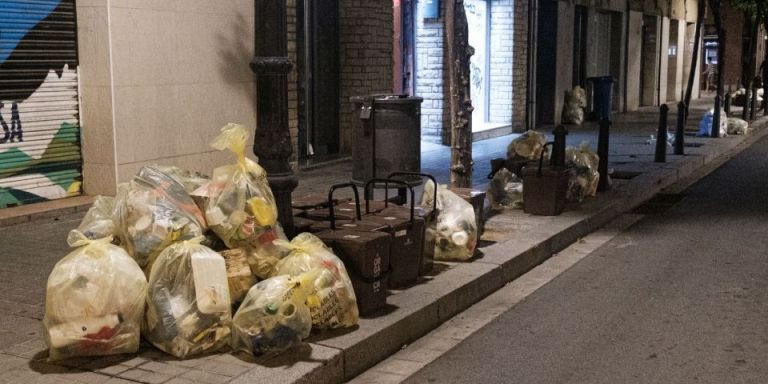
(388, 138)
(602, 89)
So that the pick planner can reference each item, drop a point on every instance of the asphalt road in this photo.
(681, 297)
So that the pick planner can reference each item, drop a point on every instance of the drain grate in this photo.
(659, 203)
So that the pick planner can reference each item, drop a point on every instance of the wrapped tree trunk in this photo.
(765, 66)
(750, 74)
(459, 52)
(694, 59)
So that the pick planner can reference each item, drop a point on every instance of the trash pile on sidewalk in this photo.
(197, 265)
(149, 262)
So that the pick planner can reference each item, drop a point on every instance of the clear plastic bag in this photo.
(274, 316)
(528, 145)
(240, 206)
(153, 212)
(94, 301)
(456, 230)
(505, 190)
(332, 302)
(239, 274)
(188, 302)
(737, 126)
(575, 102)
(97, 223)
(705, 125)
(264, 256)
(190, 180)
(584, 174)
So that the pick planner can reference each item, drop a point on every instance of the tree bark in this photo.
(765, 67)
(459, 52)
(715, 4)
(695, 58)
(749, 74)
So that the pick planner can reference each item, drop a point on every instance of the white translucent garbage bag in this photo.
(705, 125)
(97, 223)
(332, 302)
(188, 303)
(152, 213)
(584, 173)
(240, 206)
(505, 190)
(528, 145)
(737, 126)
(456, 230)
(274, 315)
(94, 301)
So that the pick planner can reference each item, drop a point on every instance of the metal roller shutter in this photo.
(40, 155)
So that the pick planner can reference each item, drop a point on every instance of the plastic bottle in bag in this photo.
(274, 315)
(456, 230)
(97, 223)
(188, 302)
(332, 302)
(153, 212)
(584, 174)
(94, 301)
(240, 206)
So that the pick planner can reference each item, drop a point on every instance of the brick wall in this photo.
(501, 49)
(431, 74)
(365, 50)
(519, 64)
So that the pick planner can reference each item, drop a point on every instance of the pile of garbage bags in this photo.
(743, 97)
(575, 102)
(705, 125)
(455, 234)
(175, 254)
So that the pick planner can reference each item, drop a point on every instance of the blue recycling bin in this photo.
(602, 88)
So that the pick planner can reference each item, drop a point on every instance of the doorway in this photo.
(649, 62)
(318, 73)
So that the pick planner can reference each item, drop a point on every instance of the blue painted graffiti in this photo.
(20, 17)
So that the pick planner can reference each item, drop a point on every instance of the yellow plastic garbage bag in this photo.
(456, 231)
(153, 212)
(274, 316)
(240, 206)
(97, 223)
(584, 176)
(332, 302)
(188, 303)
(94, 301)
(528, 145)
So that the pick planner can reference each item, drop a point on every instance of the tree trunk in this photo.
(749, 74)
(765, 68)
(695, 57)
(715, 4)
(459, 52)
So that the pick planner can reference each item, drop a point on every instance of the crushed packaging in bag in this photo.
(575, 102)
(239, 275)
(332, 302)
(97, 223)
(94, 301)
(274, 316)
(584, 174)
(153, 212)
(240, 206)
(188, 303)
(505, 190)
(190, 180)
(456, 231)
(528, 145)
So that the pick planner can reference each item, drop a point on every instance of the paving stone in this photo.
(311, 363)
(225, 369)
(205, 377)
(165, 368)
(134, 374)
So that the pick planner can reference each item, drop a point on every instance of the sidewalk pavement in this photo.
(514, 243)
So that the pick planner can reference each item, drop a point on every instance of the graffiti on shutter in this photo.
(40, 155)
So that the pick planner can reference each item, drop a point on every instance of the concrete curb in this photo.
(423, 307)
(45, 210)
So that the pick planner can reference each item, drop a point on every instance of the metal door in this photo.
(40, 155)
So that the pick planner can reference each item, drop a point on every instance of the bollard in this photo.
(602, 153)
(753, 106)
(661, 135)
(558, 147)
(715, 130)
(727, 106)
(680, 131)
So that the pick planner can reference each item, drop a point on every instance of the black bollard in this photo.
(727, 106)
(715, 130)
(602, 153)
(661, 135)
(558, 148)
(680, 131)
